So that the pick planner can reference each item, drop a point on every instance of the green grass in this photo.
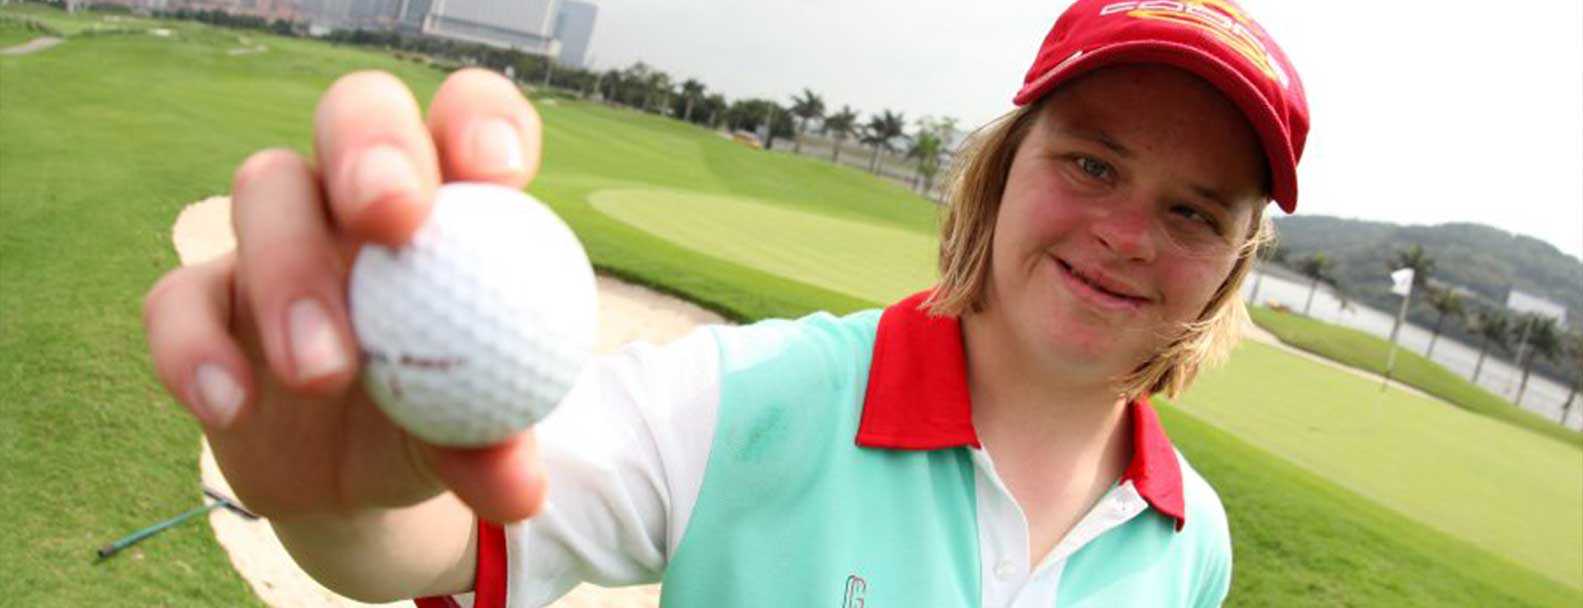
(1367, 352)
(71, 24)
(102, 140)
(878, 263)
(590, 148)
(1494, 485)
(1301, 540)
(14, 32)
(12, 36)
(17, 28)
(95, 166)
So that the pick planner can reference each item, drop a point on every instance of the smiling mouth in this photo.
(1120, 300)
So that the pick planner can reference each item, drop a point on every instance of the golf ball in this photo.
(478, 327)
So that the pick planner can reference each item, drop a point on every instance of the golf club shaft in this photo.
(131, 539)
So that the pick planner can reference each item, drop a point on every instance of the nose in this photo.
(1126, 230)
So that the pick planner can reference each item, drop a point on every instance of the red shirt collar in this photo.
(917, 399)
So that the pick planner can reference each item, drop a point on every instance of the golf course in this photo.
(1337, 493)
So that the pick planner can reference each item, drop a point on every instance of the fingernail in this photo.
(218, 394)
(382, 172)
(314, 345)
(496, 147)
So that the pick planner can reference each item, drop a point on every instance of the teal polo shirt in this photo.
(844, 470)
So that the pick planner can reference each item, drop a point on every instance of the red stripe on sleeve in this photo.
(489, 584)
(489, 577)
(441, 601)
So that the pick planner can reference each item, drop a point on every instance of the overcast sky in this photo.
(1421, 114)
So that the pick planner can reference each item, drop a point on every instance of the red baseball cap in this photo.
(1214, 39)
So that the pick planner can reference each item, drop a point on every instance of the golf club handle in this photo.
(133, 538)
(229, 503)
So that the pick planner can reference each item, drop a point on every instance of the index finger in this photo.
(485, 129)
(375, 156)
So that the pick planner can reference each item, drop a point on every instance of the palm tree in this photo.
(1493, 328)
(658, 86)
(633, 87)
(1416, 259)
(946, 127)
(808, 107)
(777, 122)
(1317, 268)
(1574, 349)
(1279, 254)
(716, 107)
(588, 82)
(745, 114)
(882, 128)
(1543, 341)
(693, 90)
(842, 124)
(926, 148)
(1447, 302)
(609, 86)
(1266, 253)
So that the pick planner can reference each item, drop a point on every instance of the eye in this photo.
(1193, 214)
(1094, 168)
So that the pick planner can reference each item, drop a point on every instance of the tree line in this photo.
(1528, 338)
(647, 88)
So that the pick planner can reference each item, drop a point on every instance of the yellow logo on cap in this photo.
(1219, 18)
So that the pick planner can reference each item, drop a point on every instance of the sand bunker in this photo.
(32, 46)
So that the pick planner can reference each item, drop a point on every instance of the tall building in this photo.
(410, 14)
(373, 14)
(525, 25)
(575, 29)
(328, 14)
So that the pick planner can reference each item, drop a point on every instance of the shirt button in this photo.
(1005, 569)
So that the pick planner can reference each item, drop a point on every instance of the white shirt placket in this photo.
(1004, 539)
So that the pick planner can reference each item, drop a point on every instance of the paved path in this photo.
(32, 46)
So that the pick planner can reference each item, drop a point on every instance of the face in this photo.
(1123, 212)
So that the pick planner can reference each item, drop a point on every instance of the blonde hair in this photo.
(978, 179)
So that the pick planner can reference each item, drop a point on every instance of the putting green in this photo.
(1496, 485)
(870, 261)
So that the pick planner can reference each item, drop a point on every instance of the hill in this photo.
(1486, 261)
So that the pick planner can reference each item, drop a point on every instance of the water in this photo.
(1542, 397)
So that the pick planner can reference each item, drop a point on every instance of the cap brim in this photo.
(1230, 82)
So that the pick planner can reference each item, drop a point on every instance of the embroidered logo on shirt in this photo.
(856, 587)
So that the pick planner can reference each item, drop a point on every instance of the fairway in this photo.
(1498, 486)
(1334, 500)
(873, 262)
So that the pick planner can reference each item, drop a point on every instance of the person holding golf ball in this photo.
(986, 442)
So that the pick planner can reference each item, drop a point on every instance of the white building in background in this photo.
(325, 15)
(574, 27)
(529, 26)
(525, 25)
(373, 14)
(1531, 304)
(410, 14)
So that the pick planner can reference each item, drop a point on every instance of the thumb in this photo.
(502, 483)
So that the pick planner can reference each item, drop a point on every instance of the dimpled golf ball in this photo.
(478, 327)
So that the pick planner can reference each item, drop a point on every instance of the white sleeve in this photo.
(625, 455)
